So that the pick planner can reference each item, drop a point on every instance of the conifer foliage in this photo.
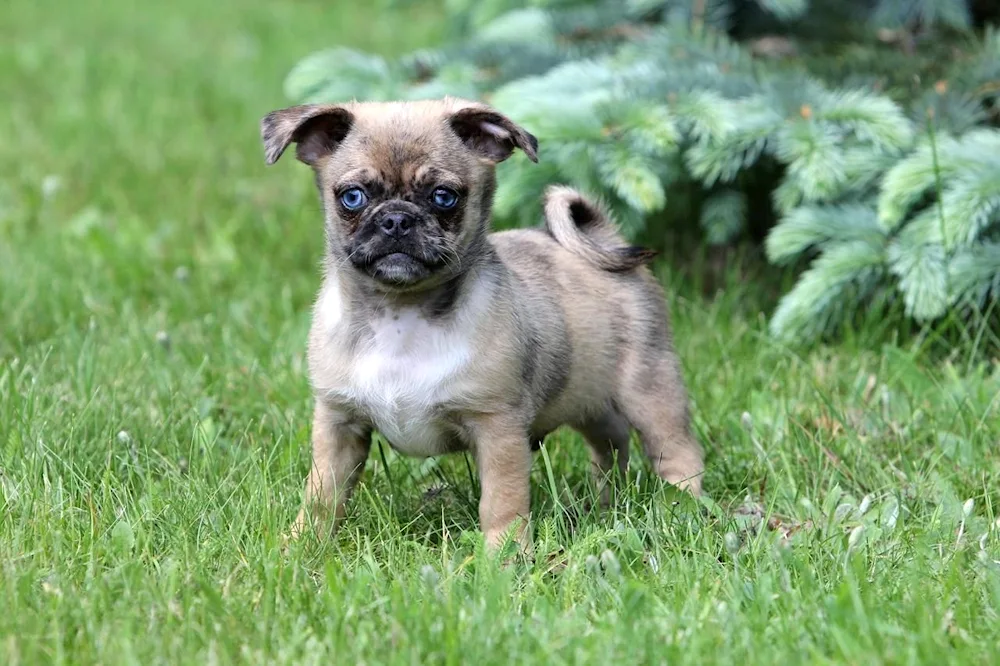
(872, 123)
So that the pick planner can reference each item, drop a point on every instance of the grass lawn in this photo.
(155, 285)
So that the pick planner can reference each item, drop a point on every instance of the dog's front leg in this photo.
(503, 458)
(339, 453)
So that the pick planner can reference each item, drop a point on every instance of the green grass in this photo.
(155, 282)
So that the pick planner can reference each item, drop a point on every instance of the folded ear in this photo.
(492, 134)
(316, 129)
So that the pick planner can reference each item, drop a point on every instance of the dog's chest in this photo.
(404, 376)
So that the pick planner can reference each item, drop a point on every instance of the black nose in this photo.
(396, 224)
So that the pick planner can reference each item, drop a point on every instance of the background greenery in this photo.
(155, 281)
(860, 135)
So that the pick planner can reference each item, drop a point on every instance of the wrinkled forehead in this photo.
(401, 148)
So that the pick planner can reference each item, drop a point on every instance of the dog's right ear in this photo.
(316, 129)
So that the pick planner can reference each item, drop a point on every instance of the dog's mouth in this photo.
(398, 269)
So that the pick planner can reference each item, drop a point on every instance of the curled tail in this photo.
(584, 228)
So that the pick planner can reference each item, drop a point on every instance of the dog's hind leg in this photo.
(608, 437)
(654, 400)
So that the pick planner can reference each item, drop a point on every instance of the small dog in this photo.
(445, 337)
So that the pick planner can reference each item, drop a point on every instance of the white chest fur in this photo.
(402, 373)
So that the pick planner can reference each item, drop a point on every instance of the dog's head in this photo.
(407, 186)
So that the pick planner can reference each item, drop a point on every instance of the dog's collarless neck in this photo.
(438, 302)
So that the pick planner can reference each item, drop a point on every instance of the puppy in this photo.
(445, 337)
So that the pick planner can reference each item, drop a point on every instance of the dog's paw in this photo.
(510, 544)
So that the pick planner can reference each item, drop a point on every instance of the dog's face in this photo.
(407, 187)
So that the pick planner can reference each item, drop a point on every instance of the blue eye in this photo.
(353, 198)
(444, 198)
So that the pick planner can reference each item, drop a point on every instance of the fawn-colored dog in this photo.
(445, 337)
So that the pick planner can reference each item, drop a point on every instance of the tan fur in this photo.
(504, 338)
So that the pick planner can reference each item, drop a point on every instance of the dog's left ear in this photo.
(316, 129)
(492, 134)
